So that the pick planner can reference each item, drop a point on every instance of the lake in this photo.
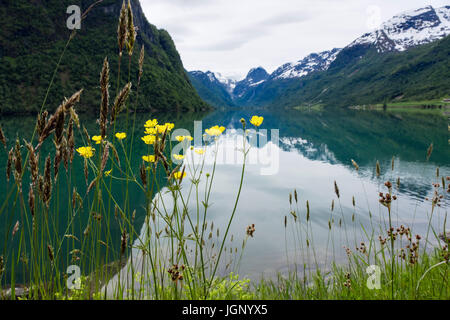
(302, 151)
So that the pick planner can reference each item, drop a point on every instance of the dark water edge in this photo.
(335, 136)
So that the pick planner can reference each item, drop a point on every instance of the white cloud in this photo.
(232, 36)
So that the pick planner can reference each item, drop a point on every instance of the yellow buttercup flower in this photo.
(167, 126)
(256, 121)
(182, 138)
(97, 139)
(148, 158)
(121, 135)
(151, 123)
(199, 151)
(179, 175)
(107, 173)
(178, 156)
(150, 131)
(149, 139)
(86, 152)
(215, 131)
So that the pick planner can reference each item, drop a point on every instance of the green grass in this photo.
(418, 104)
(421, 104)
(435, 106)
(362, 76)
(183, 252)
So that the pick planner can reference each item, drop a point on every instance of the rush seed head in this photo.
(336, 189)
(429, 151)
(2, 137)
(378, 170)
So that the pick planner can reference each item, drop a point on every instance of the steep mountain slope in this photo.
(211, 90)
(420, 73)
(313, 62)
(254, 77)
(222, 92)
(409, 29)
(396, 61)
(229, 84)
(264, 90)
(29, 50)
(379, 66)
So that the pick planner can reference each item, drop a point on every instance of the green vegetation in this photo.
(34, 34)
(179, 259)
(41, 247)
(313, 107)
(362, 76)
(437, 106)
(213, 93)
(419, 104)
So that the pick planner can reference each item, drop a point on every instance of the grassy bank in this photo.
(91, 179)
(439, 106)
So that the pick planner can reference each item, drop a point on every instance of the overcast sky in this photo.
(233, 36)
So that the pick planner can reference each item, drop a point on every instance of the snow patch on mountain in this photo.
(313, 62)
(254, 78)
(409, 29)
(229, 84)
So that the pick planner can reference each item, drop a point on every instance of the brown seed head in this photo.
(141, 62)
(47, 188)
(105, 157)
(378, 169)
(33, 161)
(123, 242)
(307, 210)
(2, 137)
(429, 151)
(51, 254)
(122, 28)
(120, 101)
(143, 174)
(31, 200)
(131, 30)
(104, 86)
(336, 189)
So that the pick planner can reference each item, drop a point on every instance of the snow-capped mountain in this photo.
(229, 84)
(213, 87)
(401, 32)
(409, 29)
(313, 62)
(255, 77)
(211, 76)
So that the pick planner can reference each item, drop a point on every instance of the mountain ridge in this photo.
(403, 31)
(29, 49)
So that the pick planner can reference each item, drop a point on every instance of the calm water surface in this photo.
(314, 149)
